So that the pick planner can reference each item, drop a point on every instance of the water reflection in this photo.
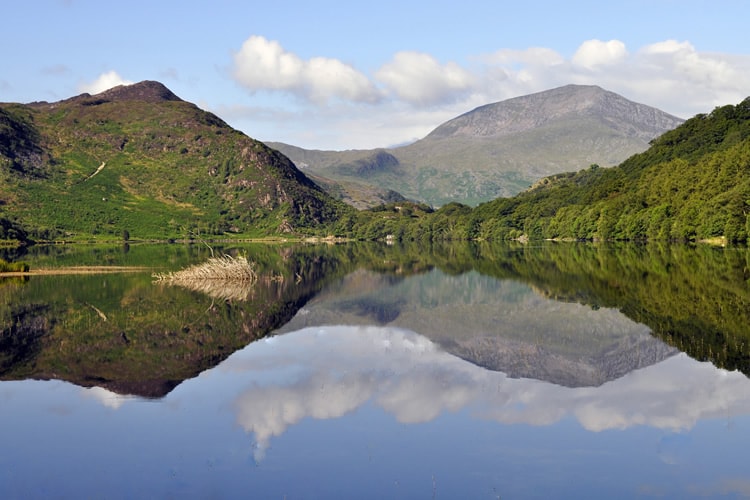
(446, 372)
(502, 325)
(327, 372)
(480, 430)
(574, 315)
(106, 398)
(129, 335)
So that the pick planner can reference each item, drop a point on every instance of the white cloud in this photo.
(712, 71)
(263, 64)
(104, 82)
(332, 78)
(668, 47)
(593, 53)
(415, 92)
(420, 79)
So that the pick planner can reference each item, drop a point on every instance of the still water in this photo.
(562, 371)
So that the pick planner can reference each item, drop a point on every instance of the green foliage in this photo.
(157, 170)
(101, 169)
(13, 267)
(12, 231)
(692, 184)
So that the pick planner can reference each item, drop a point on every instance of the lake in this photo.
(374, 371)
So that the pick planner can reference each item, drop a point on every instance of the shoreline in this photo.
(76, 270)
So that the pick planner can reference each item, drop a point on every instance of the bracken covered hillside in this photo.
(139, 161)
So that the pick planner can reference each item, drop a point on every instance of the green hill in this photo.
(692, 183)
(137, 161)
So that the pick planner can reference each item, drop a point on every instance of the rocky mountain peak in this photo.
(521, 114)
(147, 90)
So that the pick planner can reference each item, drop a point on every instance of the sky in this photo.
(332, 74)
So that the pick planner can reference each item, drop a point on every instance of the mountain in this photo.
(563, 343)
(535, 111)
(500, 149)
(137, 161)
(693, 183)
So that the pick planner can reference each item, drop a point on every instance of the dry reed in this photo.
(224, 277)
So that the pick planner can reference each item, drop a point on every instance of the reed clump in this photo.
(221, 269)
(13, 267)
(225, 278)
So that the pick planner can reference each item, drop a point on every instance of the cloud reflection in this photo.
(106, 398)
(327, 372)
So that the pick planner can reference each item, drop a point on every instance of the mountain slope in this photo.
(500, 149)
(139, 159)
(693, 183)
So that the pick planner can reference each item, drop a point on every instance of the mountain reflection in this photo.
(327, 372)
(501, 325)
(575, 315)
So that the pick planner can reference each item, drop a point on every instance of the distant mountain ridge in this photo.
(521, 114)
(500, 149)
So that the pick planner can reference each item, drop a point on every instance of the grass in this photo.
(13, 267)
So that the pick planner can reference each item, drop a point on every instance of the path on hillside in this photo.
(97, 171)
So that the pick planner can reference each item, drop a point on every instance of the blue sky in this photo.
(342, 74)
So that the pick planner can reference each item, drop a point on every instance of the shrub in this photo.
(13, 267)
